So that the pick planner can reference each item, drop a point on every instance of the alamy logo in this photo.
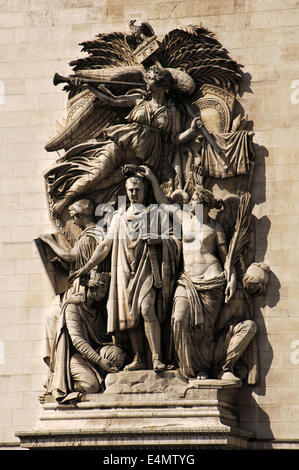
(156, 220)
(295, 94)
(295, 354)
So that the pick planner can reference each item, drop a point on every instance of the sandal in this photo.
(158, 366)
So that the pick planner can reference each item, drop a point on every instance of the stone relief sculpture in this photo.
(153, 122)
(82, 354)
(134, 288)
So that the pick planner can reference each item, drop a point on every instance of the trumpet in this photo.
(57, 79)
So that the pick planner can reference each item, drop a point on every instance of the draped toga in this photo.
(193, 334)
(131, 271)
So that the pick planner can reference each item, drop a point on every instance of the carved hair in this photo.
(82, 207)
(131, 170)
(98, 280)
(163, 77)
(207, 197)
(132, 173)
(135, 179)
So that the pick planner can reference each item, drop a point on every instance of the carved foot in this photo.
(158, 366)
(202, 375)
(135, 365)
(43, 398)
(226, 375)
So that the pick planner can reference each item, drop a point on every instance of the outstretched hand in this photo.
(75, 275)
(196, 124)
(107, 365)
(146, 172)
(230, 289)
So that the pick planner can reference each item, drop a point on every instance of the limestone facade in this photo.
(39, 38)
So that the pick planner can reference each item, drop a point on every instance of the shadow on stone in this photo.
(252, 417)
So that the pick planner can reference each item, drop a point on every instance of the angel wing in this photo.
(196, 51)
(109, 57)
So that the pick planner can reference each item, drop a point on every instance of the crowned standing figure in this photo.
(144, 268)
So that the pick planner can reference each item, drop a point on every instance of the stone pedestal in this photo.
(144, 410)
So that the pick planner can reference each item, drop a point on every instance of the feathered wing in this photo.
(87, 118)
(195, 50)
(109, 57)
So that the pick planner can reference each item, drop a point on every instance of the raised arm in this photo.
(190, 134)
(158, 193)
(107, 97)
(67, 255)
(165, 205)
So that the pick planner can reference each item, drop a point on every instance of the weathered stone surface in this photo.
(144, 382)
(250, 25)
(201, 417)
(170, 383)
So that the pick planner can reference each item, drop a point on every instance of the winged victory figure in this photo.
(166, 104)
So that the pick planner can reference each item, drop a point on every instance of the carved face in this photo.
(77, 219)
(158, 78)
(205, 197)
(253, 287)
(256, 278)
(199, 198)
(98, 291)
(81, 212)
(135, 190)
(149, 77)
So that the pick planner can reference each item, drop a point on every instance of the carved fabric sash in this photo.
(193, 290)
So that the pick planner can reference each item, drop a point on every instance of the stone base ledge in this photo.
(274, 444)
(141, 410)
(225, 438)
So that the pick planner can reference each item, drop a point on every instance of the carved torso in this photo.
(200, 250)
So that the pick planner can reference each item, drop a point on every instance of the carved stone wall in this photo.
(40, 37)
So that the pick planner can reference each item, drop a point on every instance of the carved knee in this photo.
(250, 327)
(84, 387)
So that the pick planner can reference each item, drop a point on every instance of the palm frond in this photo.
(241, 235)
(195, 50)
(106, 50)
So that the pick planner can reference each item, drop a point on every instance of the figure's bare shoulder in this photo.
(220, 233)
(218, 226)
(215, 225)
